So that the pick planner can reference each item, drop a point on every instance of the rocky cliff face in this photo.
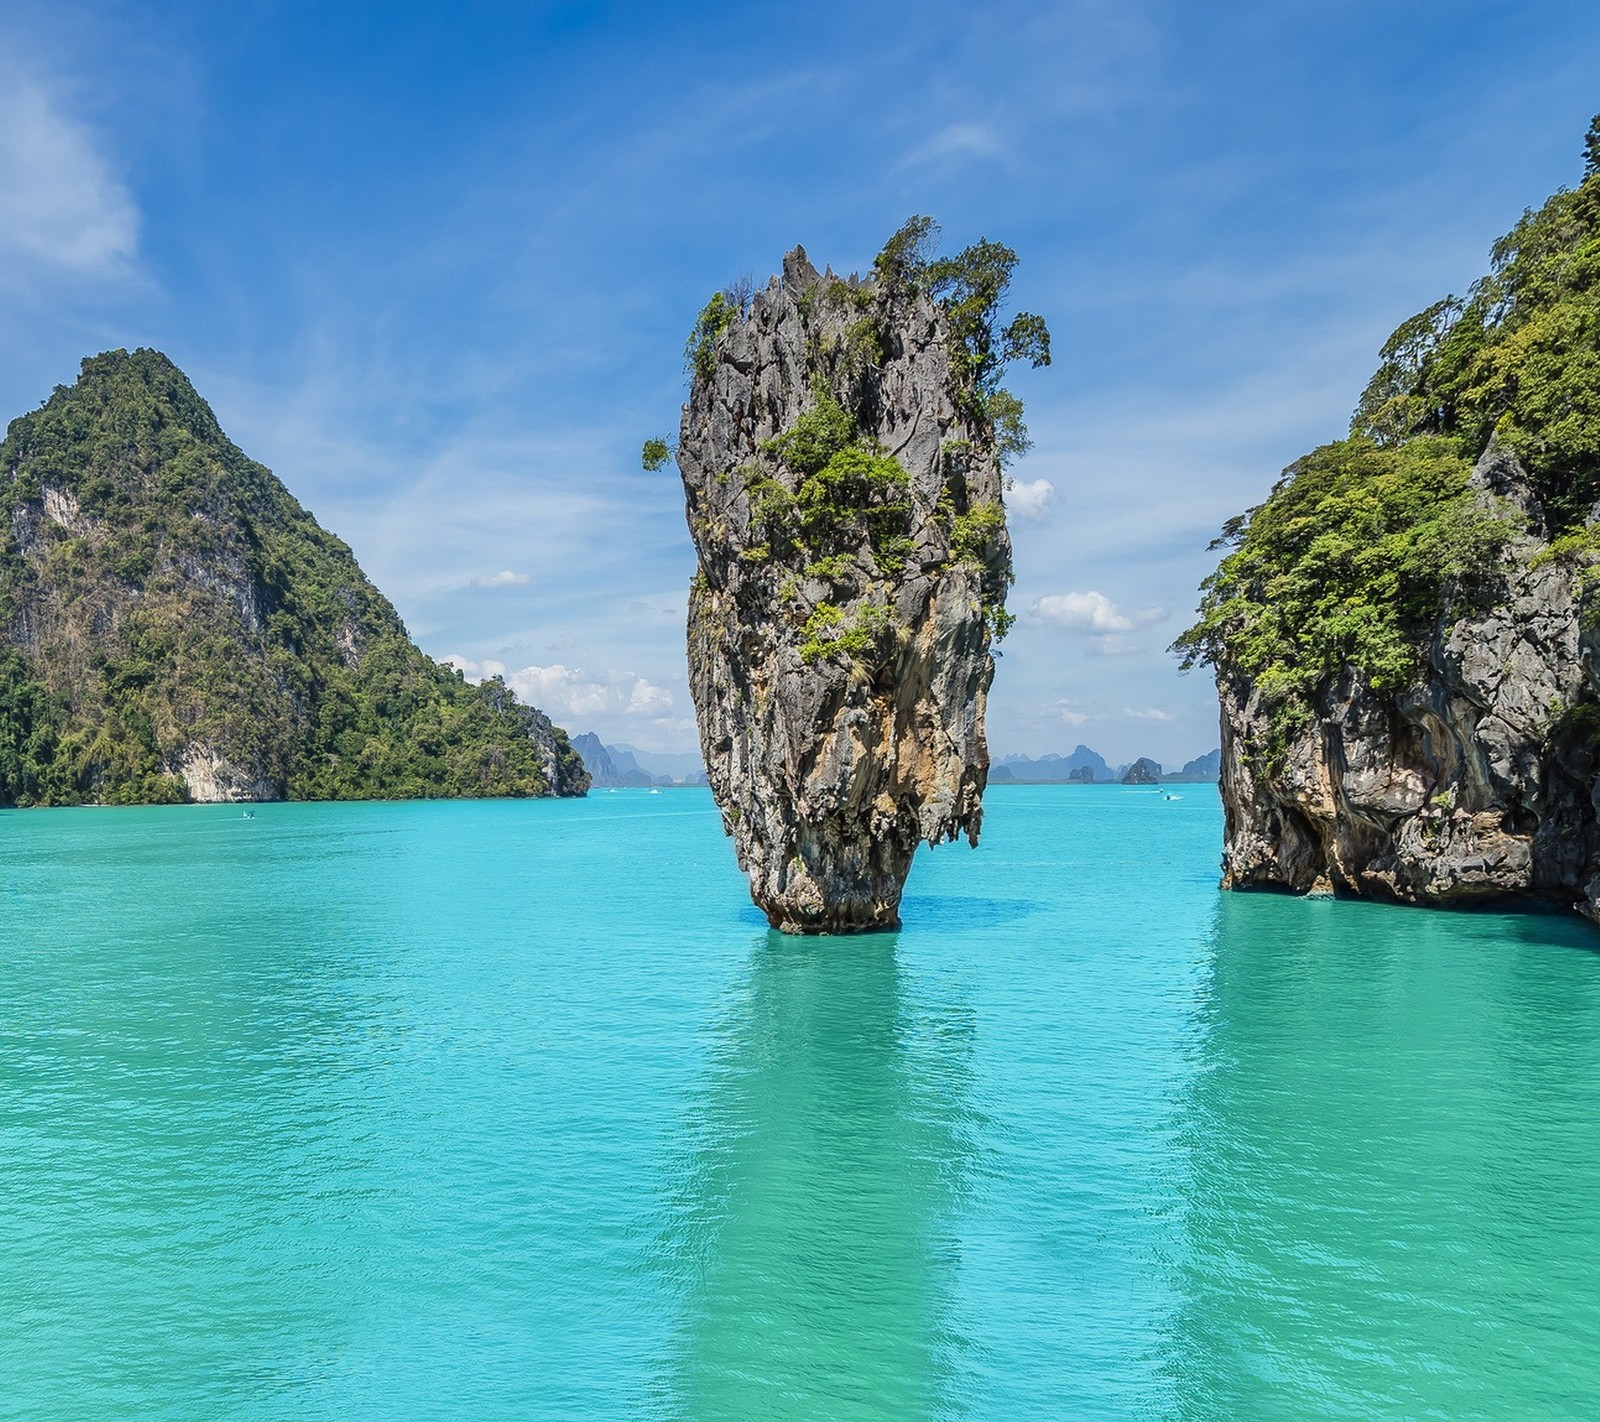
(844, 496)
(1405, 631)
(173, 625)
(1476, 782)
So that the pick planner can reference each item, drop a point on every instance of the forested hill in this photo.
(174, 625)
(1364, 542)
(1406, 632)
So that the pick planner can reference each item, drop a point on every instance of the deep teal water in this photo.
(516, 1110)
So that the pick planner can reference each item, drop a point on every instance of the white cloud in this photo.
(1030, 500)
(1067, 707)
(958, 143)
(1153, 714)
(647, 698)
(1092, 612)
(474, 671)
(65, 209)
(505, 578)
(563, 691)
(1110, 645)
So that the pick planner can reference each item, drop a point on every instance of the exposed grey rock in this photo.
(1479, 782)
(831, 769)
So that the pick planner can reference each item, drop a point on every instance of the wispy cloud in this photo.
(957, 144)
(505, 578)
(565, 692)
(65, 210)
(1152, 714)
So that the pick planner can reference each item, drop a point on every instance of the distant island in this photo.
(618, 766)
(174, 626)
(1087, 767)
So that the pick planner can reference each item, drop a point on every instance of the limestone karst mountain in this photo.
(1143, 771)
(174, 625)
(841, 454)
(1406, 635)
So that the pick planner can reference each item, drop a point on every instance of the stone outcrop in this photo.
(1143, 771)
(1477, 783)
(840, 624)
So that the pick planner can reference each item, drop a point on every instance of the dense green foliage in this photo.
(699, 353)
(1518, 358)
(657, 454)
(828, 632)
(159, 592)
(1363, 544)
(970, 288)
(847, 491)
(1347, 564)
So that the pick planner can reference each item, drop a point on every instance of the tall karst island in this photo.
(1406, 634)
(841, 454)
(175, 626)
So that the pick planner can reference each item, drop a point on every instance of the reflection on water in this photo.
(1387, 1211)
(812, 1233)
(476, 1111)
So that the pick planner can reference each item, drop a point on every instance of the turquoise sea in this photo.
(517, 1110)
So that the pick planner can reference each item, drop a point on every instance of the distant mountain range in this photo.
(1087, 767)
(621, 765)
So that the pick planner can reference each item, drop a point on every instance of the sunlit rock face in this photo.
(845, 504)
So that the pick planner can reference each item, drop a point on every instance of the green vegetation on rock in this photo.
(1517, 359)
(970, 288)
(830, 632)
(715, 317)
(164, 597)
(827, 503)
(847, 492)
(1347, 564)
(1364, 543)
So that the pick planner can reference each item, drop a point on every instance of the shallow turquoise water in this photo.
(515, 1110)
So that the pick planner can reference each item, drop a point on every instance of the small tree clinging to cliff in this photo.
(971, 288)
(1516, 359)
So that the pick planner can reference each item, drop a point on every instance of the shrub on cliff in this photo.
(1347, 563)
(1518, 357)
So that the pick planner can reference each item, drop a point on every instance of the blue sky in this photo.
(434, 265)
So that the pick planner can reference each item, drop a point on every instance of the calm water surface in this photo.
(516, 1110)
